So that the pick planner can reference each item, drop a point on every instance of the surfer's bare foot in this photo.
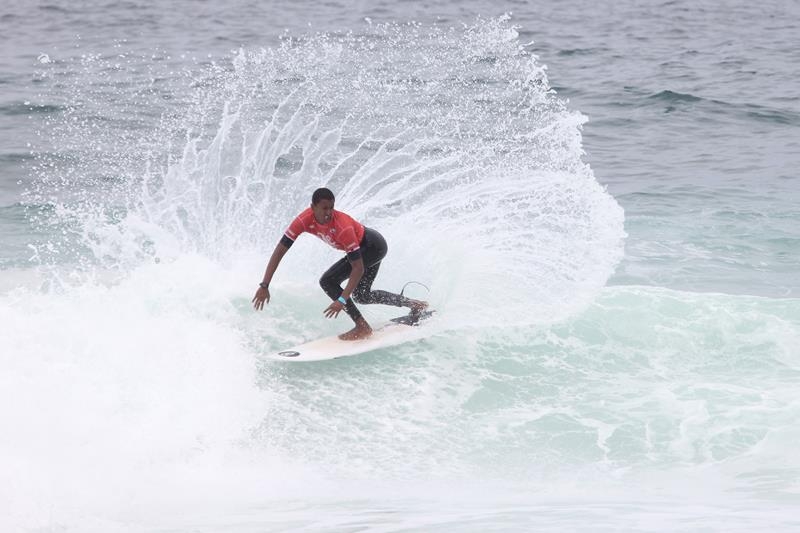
(361, 331)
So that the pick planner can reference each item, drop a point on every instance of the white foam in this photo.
(126, 393)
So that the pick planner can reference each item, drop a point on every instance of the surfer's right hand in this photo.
(262, 295)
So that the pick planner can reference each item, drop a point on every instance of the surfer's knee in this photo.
(325, 283)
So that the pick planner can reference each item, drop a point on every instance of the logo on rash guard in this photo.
(327, 238)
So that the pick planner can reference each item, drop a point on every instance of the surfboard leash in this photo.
(409, 283)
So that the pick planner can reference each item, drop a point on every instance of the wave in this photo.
(672, 96)
(645, 376)
(746, 111)
(149, 382)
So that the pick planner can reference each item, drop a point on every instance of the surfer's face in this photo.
(323, 211)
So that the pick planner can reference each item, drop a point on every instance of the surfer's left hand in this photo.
(334, 309)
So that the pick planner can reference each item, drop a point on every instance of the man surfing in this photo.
(365, 248)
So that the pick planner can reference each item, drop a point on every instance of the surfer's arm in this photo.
(262, 294)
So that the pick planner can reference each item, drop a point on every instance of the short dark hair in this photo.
(322, 194)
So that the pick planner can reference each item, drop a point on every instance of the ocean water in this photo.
(602, 199)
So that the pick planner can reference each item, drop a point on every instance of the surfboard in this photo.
(396, 331)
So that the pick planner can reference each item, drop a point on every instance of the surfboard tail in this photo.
(413, 319)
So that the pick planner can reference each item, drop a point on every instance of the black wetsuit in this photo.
(373, 249)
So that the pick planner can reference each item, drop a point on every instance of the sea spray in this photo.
(447, 140)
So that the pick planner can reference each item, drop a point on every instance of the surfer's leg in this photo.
(331, 283)
(365, 295)
(374, 251)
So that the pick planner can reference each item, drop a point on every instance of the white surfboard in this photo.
(391, 333)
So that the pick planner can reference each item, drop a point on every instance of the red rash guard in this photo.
(343, 232)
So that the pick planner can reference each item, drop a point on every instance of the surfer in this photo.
(365, 248)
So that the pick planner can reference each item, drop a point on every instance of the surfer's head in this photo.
(322, 194)
(322, 205)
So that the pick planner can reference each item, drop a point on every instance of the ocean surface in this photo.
(602, 198)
